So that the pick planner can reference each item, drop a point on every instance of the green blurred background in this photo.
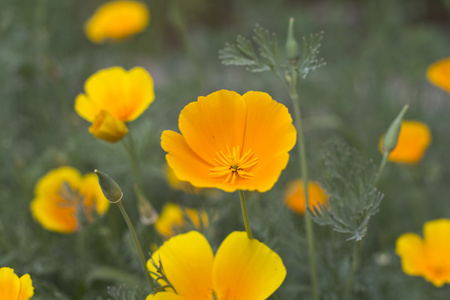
(376, 55)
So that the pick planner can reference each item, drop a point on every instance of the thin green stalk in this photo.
(245, 214)
(354, 267)
(138, 245)
(380, 170)
(133, 157)
(304, 173)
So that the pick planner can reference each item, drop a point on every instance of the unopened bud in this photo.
(391, 136)
(110, 188)
(291, 48)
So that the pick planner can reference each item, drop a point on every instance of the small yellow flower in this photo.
(231, 142)
(14, 288)
(429, 257)
(114, 96)
(117, 20)
(242, 269)
(65, 201)
(413, 141)
(294, 196)
(439, 74)
(173, 218)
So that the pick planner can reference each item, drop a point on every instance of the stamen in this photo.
(231, 165)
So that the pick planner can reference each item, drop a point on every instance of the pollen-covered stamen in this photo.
(232, 165)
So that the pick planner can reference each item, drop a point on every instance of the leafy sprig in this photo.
(123, 292)
(350, 184)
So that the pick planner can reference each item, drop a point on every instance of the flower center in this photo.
(233, 165)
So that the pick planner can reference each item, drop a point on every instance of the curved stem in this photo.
(133, 157)
(138, 245)
(380, 170)
(245, 214)
(304, 173)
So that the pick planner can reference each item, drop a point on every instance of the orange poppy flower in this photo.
(413, 141)
(427, 257)
(294, 197)
(117, 20)
(65, 201)
(114, 96)
(439, 74)
(231, 142)
(242, 269)
(14, 288)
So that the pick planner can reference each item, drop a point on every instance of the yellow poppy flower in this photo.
(231, 142)
(117, 20)
(64, 200)
(243, 269)
(439, 74)
(428, 257)
(114, 96)
(413, 141)
(174, 217)
(14, 288)
(294, 196)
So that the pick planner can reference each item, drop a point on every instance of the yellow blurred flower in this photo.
(65, 201)
(117, 20)
(174, 217)
(14, 288)
(413, 141)
(429, 257)
(439, 74)
(114, 96)
(177, 184)
(231, 142)
(294, 196)
(242, 268)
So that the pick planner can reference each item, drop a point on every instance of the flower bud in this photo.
(110, 188)
(391, 136)
(291, 48)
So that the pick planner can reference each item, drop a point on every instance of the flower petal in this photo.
(214, 122)
(437, 249)
(187, 165)
(167, 296)
(187, 261)
(9, 284)
(439, 74)
(140, 94)
(108, 128)
(409, 247)
(93, 195)
(246, 269)
(87, 109)
(26, 288)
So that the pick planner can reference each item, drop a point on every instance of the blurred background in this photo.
(376, 54)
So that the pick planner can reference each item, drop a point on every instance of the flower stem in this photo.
(293, 83)
(133, 157)
(380, 170)
(354, 267)
(136, 241)
(245, 215)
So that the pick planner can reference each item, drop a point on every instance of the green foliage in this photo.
(123, 292)
(353, 199)
(266, 57)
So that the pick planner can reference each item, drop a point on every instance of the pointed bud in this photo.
(292, 48)
(391, 136)
(110, 188)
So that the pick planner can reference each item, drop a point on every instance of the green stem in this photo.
(354, 267)
(380, 170)
(133, 157)
(138, 245)
(304, 173)
(245, 214)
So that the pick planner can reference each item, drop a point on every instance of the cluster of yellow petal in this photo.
(64, 200)
(231, 142)
(117, 20)
(174, 217)
(428, 257)
(413, 141)
(14, 288)
(114, 96)
(242, 269)
(294, 196)
(439, 74)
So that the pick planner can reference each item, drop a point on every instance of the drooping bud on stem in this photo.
(391, 137)
(110, 188)
(292, 48)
